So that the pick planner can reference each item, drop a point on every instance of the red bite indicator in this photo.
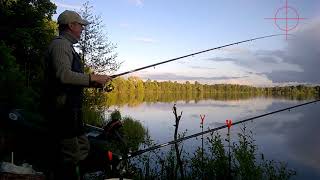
(202, 118)
(109, 154)
(229, 123)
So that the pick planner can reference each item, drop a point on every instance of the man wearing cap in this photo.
(65, 81)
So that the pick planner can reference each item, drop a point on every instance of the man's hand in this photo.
(99, 81)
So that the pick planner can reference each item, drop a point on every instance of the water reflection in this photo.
(295, 138)
(287, 136)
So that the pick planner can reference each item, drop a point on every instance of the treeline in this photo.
(134, 91)
(137, 85)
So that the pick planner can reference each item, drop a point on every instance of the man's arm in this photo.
(62, 58)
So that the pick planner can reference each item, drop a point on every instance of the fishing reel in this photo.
(106, 88)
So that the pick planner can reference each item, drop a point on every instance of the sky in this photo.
(149, 31)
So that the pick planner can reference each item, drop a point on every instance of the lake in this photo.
(289, 136)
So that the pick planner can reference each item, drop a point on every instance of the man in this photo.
(65, 81)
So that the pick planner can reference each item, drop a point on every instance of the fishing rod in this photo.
(192, 54)
(139, 152)
(109, 87)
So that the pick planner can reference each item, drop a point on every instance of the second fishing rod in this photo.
(139, 152)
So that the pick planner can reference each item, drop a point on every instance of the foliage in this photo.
(25, 32)
(11, 78)
(97, 51)
(93, 116)
(93, 107)
(141, 166)
(215, 162)
(115, 115)
(245, 163)
(133, 132)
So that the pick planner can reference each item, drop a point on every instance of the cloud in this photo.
(182, 62)
(200, 67)
(303, 50)
(256, 73)
(232, 49)
(144, 40)
(138, 3)
(261, 63)
(67, 6)
(219, 59)
(243, 78)
(175, 77)
(299, 62)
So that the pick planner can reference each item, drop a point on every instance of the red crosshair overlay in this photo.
(287, 8)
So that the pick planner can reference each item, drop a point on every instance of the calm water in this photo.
(290, 136)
